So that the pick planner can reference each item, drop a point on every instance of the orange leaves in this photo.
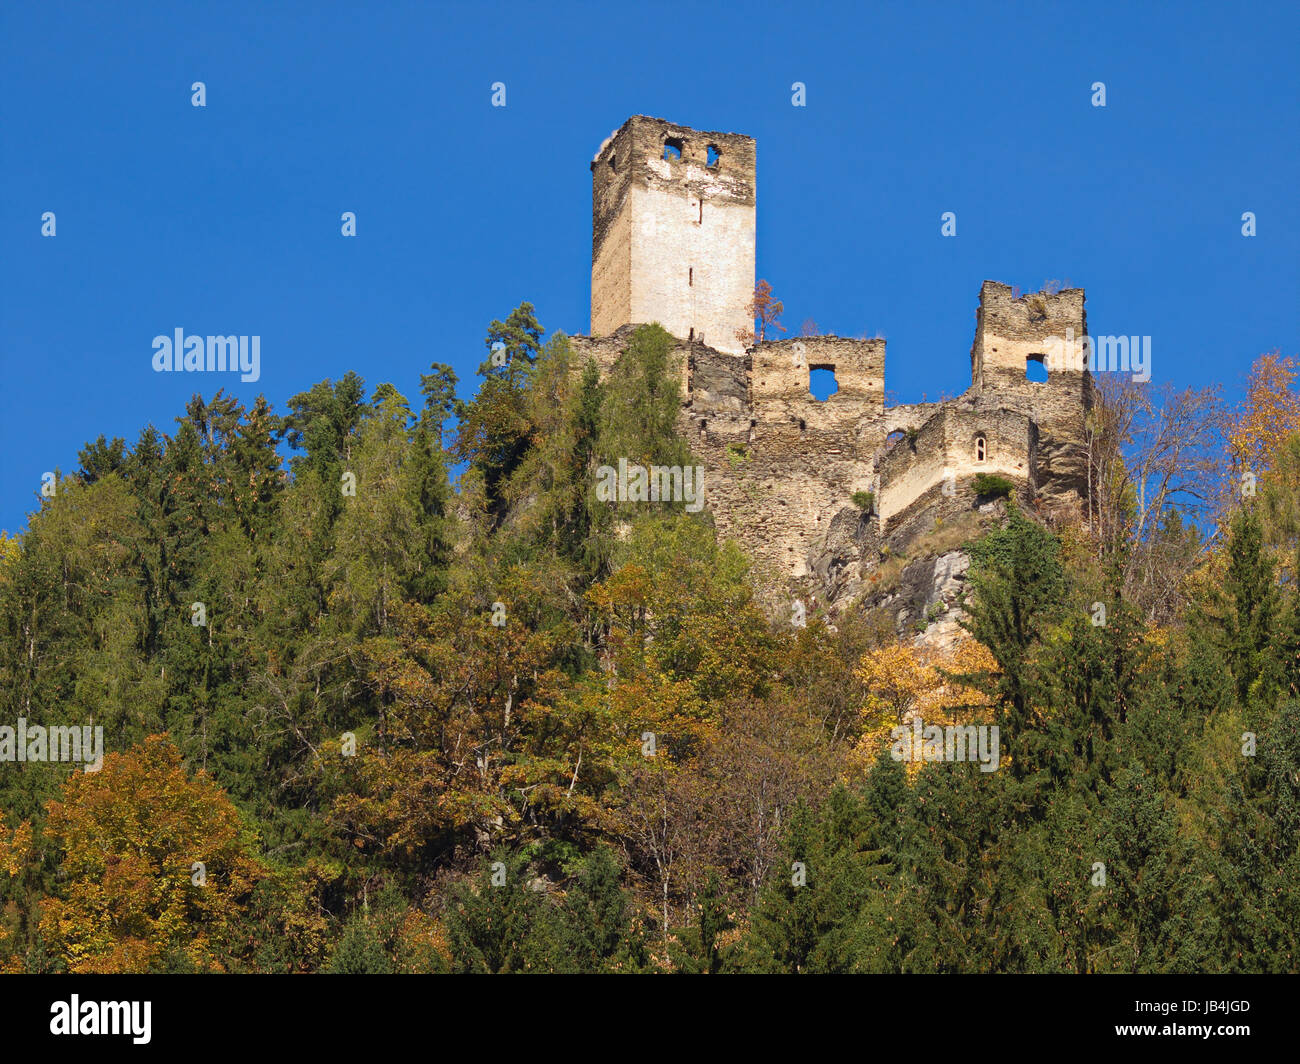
(764, 309)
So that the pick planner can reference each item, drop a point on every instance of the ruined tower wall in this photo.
(1012, 331)
(781, 373)
(946, 447)
(1009, 332)
(673, 238)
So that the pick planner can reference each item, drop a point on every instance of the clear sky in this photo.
(226, 219)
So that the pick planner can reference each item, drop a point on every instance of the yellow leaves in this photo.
(896, 677)
(154, 862)
(1270, 412)
(10, 548)
(902, 680)
(15, 846)
(15, 851)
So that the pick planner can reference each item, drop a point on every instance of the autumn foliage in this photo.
(506, 726)
(133, 837)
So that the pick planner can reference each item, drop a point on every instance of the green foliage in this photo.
(641, 401)
(359, 951)
(507, 921)
(864, 501)
(671, 775)
(991, 486)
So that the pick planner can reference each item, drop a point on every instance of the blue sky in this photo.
(225, 219)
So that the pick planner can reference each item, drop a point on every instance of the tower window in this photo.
(1036, 368)
(981, 449)
(690, 276)
(701, 218)
(821, 382)
(673, 149)
(613, 163)
(712, 155)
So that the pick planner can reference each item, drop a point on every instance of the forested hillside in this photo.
(358, 719)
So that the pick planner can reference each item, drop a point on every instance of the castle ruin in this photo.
(673, 242)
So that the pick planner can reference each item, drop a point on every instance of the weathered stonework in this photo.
(673, 237)
(781, 466)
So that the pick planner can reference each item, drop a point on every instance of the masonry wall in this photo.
(673, 240)
(774, 486)
(605, 351)
(1009, 332)
(781, 372)
(946, 447)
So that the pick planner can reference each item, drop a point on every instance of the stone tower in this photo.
(673, 232)
(1012, 337)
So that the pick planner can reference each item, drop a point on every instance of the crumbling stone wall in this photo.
(780, 375)
(782, 468)
(1009, 332)
(673, 238)
(673, 243)
(946, 450)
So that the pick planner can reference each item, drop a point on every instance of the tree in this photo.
(1016, 581)
(156, 862)
(494, 431)
(101, 458)
(1269, 413)
(440, 402)
(1154, 470)
(1250, 585)
(766, 312)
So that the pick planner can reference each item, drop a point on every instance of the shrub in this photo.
(864, 501)
(737, 453)
(993, 487)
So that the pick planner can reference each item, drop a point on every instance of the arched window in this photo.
(981, 449)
